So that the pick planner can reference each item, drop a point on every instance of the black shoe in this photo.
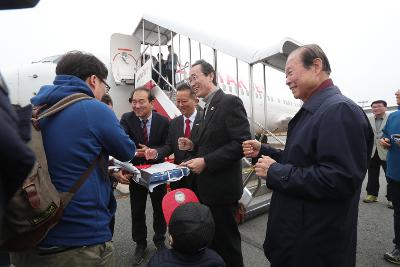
(160, 246)
(393, 257)
(139, 254)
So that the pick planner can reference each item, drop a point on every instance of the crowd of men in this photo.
(316, 183)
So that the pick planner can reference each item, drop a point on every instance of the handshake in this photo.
(150, 153)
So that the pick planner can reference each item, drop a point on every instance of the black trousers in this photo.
(138, 197)
(395, 193)
(227, 240)
(374, 169)
(170, 73)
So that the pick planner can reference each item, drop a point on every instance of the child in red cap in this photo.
(191, 229)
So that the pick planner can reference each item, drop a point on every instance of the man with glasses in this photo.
(216, 152)
(72, 139)
(147, 129)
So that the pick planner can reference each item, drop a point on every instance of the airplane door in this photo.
(124, 57)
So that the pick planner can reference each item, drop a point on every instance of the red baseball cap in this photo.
(174, 199)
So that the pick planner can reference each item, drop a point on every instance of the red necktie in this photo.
(187, 128)
(145, 136)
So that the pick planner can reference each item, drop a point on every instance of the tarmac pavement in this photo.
(375, 233)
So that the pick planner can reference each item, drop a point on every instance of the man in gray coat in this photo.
(378, 157)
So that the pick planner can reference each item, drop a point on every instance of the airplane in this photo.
(25, 81)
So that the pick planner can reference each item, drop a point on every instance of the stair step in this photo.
(258, 205)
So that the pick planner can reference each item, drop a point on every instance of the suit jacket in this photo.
(378, 134)
(219, 140)
(175, 131)
(158, 133)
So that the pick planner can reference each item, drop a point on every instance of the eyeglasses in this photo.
(106, 85)
(192, 78)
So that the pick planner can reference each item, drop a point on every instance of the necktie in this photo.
(187, 128)
(145, 136)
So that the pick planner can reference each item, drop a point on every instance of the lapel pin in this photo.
(212, 108)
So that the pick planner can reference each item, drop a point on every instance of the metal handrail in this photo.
(162, 77)
(270, 133)
(250, 174)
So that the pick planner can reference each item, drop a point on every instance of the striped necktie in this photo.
(145, 135)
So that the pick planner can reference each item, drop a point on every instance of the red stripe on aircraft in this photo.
(157, 106)
(125, 49)
(160, 109)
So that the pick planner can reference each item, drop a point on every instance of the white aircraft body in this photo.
(24, 82)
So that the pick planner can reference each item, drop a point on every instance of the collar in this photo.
(207, 99)
(315, 101)
(384, 115)
(148, 118)
(192, 117)
(325, 84)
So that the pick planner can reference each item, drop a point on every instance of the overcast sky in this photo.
(360, 38)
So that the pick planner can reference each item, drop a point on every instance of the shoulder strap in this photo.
(67, 196)
(57, 107)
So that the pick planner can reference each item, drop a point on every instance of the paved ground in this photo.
(375, 234)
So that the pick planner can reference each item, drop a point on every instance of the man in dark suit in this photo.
(217, 158)
(185, 125)
(147, 129)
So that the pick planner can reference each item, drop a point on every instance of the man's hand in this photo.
(185, 144)
(140, 152)
(150, 153)
(262, 166)
(251, 148)
(122, 177)
(385, 143)
(396, 139)
(196, 165)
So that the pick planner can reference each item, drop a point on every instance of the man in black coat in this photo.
(217, 154)
(16, 159)
(147, 129)
(185, 125)
(317, 178)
